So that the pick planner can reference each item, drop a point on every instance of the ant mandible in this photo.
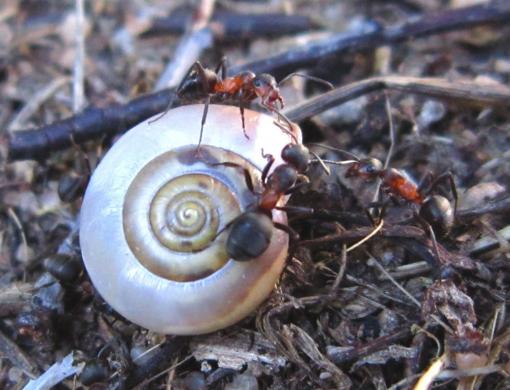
(251, 232)
(244, 87)
(436, 210)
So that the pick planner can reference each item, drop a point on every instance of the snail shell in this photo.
(152, 211)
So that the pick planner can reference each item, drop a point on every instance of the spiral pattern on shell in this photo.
(154, 208)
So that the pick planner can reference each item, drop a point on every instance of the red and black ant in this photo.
(250, 233)
(244, 87)
(436, 210)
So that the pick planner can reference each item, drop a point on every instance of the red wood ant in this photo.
(244, 87)
(436, 210)
(251, 232)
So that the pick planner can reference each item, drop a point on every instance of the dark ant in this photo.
(436, 210)
(250, 233)
(244, 87)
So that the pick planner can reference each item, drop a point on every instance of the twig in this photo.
(341, 270)
(79, 61)
(373, 261)
(425, 382)
(56, 374)
(367, 237)
(198, 38)
(463, 89)
(96, 122)
(495, 12)
(231, 26)
(10, 350)
(35, 102)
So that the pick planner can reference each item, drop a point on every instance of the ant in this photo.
(250, 232)
(244, 87)
(436, 210)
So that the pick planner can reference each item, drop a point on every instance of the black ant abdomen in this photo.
(249, 236)
(438, 212)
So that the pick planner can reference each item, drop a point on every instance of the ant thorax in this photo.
(399, 183)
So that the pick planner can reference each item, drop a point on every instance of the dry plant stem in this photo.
(231, 26)
(370, 347)
(35, 102)
(341, 270)
(367, 237)
(426, 380)
(14, 297)
(436, 87)
(395, 231)
(374, 261)
(457, 19)
(10, 351)
(198, 38)
(96, 122)
(79, 61)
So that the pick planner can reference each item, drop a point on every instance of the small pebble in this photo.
(431, 113)
(479, 194)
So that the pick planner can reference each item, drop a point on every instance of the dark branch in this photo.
(96, 122)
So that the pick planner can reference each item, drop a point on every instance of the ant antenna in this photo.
(321, 162)
(305, 76)
(349, 154)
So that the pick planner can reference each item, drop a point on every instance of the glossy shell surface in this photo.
(161, 296)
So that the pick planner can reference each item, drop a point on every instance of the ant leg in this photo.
(286, 120)
(293, 235)
(241, 108)
(197, 66)
(429, 229)
(204, 117)
(246, 172)
(270, 161)
(447, 176)
(303, 182)
(222, 68)
(424, 186)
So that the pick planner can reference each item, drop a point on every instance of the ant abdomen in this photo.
(438, 212)
(249, 236)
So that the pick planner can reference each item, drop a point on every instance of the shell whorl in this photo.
(151, 215)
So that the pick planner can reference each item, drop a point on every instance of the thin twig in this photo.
(374, 261)
(20, 120)
(198, 38)
(465, 90)
(495, 12)
(367, 237)
(79, 61)
(95, 122)
(341, 270)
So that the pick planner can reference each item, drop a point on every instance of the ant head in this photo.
(296, 155)
(367, 168)
(265, 86)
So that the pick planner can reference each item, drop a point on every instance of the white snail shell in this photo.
(152, 210)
